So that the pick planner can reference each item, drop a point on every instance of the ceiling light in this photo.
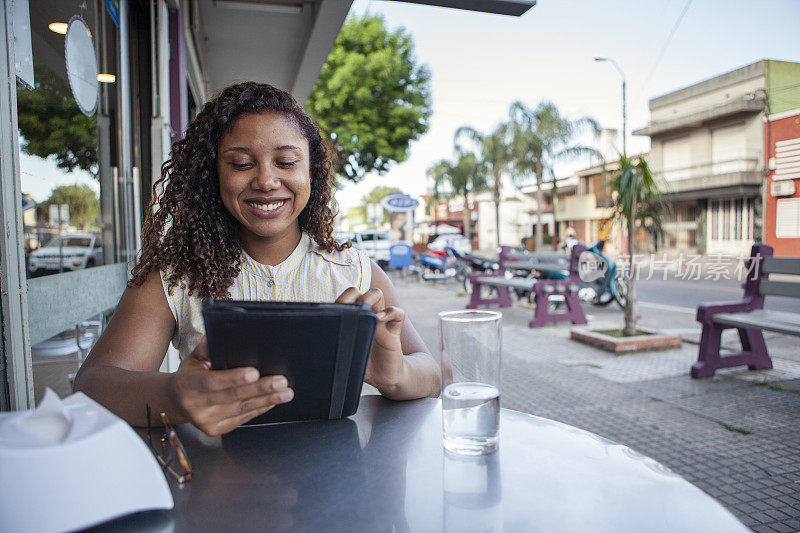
(268, 7)
(58, 27)
(106, 78)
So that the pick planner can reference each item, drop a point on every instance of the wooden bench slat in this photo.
(507, 282)
(777, 321)
(779, 288)
(781, 265)
(536, 256)
(528, 265)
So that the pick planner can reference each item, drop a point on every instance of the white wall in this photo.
(515, 223)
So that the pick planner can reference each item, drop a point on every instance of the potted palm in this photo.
(636, 200)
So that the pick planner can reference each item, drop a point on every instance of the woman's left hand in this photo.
(386, 366)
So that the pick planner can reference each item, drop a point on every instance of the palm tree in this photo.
(468, 175)
(541, 137)
(495, 155)
(636, 197)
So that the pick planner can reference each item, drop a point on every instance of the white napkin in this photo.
(49, 423)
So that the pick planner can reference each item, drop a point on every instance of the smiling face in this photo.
(263, 166)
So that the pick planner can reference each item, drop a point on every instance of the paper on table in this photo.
(50, 422)
(66, 453)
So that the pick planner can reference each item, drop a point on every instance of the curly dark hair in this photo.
(189, 233)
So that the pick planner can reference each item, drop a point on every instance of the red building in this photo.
(782, 187)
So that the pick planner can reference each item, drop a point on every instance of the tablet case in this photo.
(321, 348)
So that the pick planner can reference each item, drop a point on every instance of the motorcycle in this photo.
(435, 265)
(598, 290)
(468, 263)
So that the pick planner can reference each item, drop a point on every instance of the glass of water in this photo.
(470, 347)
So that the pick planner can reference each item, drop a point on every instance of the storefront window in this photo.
(66, 124)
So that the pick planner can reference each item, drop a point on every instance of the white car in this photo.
(75, 250)
(460, 243)
(375, 243)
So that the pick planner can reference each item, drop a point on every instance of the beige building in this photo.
(707, 143)
(588, 211)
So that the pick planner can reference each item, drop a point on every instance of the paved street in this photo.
(735, 435)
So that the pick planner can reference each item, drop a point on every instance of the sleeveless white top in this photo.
(309, 274)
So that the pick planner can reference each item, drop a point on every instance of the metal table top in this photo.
(384, 469)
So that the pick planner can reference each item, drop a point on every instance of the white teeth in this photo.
(270, 206)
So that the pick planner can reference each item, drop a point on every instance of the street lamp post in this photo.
(624, 106)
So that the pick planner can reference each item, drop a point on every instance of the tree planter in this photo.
(646, 340)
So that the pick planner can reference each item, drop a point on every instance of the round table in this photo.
(384, 469)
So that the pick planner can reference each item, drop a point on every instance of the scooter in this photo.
(598, 290)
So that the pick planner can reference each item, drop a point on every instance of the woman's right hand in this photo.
(219, 401)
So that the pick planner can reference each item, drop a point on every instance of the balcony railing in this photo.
(585, 207)
(711, 175)
(603, 201)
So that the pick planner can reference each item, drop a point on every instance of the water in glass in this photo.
(471, 416)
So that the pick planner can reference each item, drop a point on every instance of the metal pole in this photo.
(125, 134)
(60, 240)
(624, 102)
(624, 119)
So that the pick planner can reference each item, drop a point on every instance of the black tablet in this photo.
(321, 348)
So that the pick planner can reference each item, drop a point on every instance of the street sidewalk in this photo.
(735, 435)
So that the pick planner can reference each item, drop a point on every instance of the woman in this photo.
(244, 214)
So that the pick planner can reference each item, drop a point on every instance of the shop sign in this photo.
(23, 50)
(81, 65)
(112, 6)
(399, 203)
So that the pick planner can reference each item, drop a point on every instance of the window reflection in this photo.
(66, 159)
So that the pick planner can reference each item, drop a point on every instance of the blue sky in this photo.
(482, 63)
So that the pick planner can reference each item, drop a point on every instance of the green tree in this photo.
(495, 156)
(374, 197)
(466, 176)
(84, 206)
(540, 138)
(371, 99)
(636, 198)
(51, 124)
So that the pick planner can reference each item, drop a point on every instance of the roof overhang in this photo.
(514, 8)
(562, 184)
(286, 42)
(742, 105)
(736, 191)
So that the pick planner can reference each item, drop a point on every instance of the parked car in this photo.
(375, 243)
(342, 236)
(456, 241)
(75, 250)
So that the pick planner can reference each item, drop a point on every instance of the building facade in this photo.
(588, 211)
(782, 188)
(707, 153)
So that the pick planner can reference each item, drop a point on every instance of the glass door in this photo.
(70, 140)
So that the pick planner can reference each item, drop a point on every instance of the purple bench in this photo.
(748, 315)
(543, 289)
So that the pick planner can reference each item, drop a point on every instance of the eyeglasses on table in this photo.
(170, 452)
